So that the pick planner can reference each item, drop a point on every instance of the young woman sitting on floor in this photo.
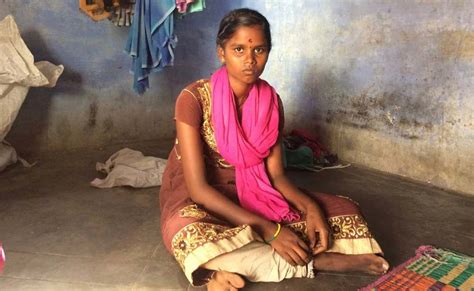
(227, 209)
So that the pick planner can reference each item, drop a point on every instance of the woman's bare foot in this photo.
(225, 281)
(368, 263)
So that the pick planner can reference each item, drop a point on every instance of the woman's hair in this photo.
(242, 17)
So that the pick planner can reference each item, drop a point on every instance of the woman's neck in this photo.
(241, 90)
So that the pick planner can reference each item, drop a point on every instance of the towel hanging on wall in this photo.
(151, 40)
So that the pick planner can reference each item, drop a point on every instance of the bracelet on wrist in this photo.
(277, 232)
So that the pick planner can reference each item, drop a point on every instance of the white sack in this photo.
(130, 168)
(18, 72)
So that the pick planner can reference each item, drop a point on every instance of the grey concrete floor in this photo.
(59, 233)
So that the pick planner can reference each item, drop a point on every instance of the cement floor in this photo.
(59, 233)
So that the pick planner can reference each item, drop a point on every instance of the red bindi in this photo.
(250, 40)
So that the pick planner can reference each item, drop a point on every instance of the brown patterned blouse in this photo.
(193, 107)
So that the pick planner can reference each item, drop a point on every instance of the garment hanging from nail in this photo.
(190, 6)
(151, 40)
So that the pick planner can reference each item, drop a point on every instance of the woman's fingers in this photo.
(322, 244)
(302, 245)
(307, 251)
(291, 247)
(303, 254)
(300, 250)
(297, 257)
(288, 258)
(324, 238)
(289, 238)
(311, 233)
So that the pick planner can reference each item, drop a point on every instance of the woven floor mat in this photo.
(430, 269)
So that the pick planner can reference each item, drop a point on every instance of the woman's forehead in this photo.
(249, 34)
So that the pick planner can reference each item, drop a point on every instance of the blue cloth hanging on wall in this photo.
(151, 40)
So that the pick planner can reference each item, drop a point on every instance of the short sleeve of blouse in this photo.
(188, 108)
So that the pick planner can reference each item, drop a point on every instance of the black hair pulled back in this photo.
(242, 17)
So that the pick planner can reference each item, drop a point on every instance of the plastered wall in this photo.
(386, 84)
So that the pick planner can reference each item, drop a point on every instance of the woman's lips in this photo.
(249, 72)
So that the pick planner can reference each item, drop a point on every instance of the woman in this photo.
(228, 210)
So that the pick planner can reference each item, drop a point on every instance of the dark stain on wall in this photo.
(63, 128)
(71, 77)
(108, 124)
(93, 109)
(395, 113)
(409, 136)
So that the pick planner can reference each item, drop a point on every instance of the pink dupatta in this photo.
(246, 145)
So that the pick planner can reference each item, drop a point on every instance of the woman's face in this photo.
(245, 55)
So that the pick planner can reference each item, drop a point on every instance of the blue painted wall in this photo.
(387, 84)
(93, 103)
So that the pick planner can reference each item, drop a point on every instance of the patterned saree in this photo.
(195, 236)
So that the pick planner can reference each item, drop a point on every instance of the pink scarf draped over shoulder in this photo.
(246, 145)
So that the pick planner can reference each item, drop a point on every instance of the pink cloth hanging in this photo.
(246, 145)
(182, 5)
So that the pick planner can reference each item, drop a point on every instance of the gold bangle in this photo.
(277, 232)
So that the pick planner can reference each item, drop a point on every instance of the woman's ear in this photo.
(220, 54)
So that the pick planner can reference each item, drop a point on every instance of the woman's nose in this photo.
(250, 57)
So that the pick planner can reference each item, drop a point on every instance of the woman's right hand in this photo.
(288, 245)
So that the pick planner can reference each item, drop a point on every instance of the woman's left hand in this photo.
(317, 229)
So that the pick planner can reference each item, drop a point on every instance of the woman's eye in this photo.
(239, 50)
(259, 50)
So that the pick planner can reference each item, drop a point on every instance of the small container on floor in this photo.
(2, 258)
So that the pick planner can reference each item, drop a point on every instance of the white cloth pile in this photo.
(18, 72)
(130, 168)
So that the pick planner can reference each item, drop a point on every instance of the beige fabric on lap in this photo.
(258, 262)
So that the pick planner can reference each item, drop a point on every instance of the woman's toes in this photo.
(378, 266)
(214, 285)
(372, 272)
(235, 280)
(226, 281)
(376, 269)
(384, 266)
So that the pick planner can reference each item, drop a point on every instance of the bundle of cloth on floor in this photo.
(303, 150)
(129, 167)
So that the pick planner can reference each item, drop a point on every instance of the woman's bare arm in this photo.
(287, 244)
(315, 220)
(204, 194)
(276, 174)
